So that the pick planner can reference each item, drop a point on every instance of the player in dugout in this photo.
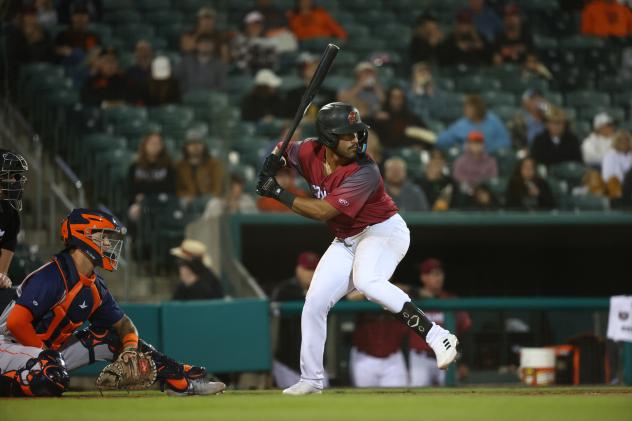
(12, 181)
(41, 339)
(371, 238)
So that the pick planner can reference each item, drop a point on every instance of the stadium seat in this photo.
(498, 186)
(164, 17)
(506, 160)
(571, 172)
(477, 84)
(122, 17)
(506, 112)
(495, 98)
(153, 5)
(589, 203)
(134, 131)
(123, 113)
(587, 98)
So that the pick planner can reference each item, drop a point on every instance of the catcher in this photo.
(41, 339)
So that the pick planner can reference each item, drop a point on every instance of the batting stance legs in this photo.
(364, 262)
(29, 371)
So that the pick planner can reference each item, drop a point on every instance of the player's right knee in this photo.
(47, 375)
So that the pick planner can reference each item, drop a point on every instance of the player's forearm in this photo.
(19, 324)
(5, 260)
(314, 208)
(128, 333)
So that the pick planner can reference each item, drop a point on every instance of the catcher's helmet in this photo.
(338, 118)
(12, 177)
(98, 234)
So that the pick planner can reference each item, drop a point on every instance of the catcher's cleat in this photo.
(445, 349)
(199, 387)
(302, 388)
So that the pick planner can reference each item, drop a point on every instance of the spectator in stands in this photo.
(436, 182)
(206, 25)
(485, 19)
(162, 88)
(424, 96)
(423, 368)
(251, 50)
(46, 13)
(198, 174)
(599, 142)
(197, 280)
(286, 179)
(617, 162)
(526, 190)
(72, 44)
(465, 45)
(530, 122)
(286, 364)
(276, 26)
(427, 41)
(407, 196)
(483, 199)
(29, 42)
(108, 86)
(592, 184)
(374, 149)
(606, 18)
(235, 200)
(138, 75)
(264, 100)
(65, 9)
(557, 143)
(533, 69)
(515, 42)
(395, 118)
(366, 93)
(474, 166)
(309, 21)
(476, 117)
(307, 65)
(151, 174)
(202, 70)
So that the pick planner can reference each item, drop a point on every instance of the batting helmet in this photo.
(339, 118)
(98, 234)
(12, 177)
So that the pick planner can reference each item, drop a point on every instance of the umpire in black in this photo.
(12, 180)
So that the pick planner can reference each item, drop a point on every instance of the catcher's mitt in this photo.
(131, 370)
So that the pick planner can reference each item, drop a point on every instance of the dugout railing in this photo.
(596, 307)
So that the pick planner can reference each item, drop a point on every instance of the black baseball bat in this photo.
(324, 65)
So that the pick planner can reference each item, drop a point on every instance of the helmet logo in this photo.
(343, 202)
(352, 118)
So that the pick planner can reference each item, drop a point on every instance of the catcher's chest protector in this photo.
(62, 320)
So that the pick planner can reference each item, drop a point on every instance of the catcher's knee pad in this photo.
(45, 375)
(92, 337)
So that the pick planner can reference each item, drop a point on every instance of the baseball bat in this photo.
(324, 65)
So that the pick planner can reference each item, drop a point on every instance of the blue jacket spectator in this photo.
(476, 118)
(486, 20)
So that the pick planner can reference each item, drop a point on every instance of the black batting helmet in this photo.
(338, 118)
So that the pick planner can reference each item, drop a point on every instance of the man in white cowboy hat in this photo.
(197, 280)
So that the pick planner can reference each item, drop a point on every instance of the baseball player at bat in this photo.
(371, 238)
(41, 338)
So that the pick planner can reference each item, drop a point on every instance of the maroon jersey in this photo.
(356, 190)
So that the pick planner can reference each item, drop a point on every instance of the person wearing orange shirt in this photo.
(309, 21)
(606, 18)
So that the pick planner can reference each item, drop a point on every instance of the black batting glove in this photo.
(268, 187)
(272, 165)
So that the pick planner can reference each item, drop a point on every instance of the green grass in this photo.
(576, 404)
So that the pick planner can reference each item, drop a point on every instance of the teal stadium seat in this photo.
(587, 98)
(571, 172)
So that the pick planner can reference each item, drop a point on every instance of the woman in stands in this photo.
(526, 190)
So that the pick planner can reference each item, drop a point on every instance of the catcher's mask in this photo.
(98, 234)
(12, 178)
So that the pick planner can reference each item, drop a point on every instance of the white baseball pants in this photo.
(364, 262)
(424, 371)
(370, 371)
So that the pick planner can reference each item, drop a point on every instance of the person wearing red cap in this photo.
(475, 166)
(286, 364)
(422, 366)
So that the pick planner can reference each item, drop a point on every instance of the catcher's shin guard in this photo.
(171, 373)
(415, 319)
(45, 375)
